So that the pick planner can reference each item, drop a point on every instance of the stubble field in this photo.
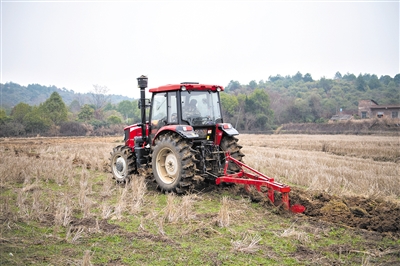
(60, 206)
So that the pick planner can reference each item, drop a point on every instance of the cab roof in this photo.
(188, 86)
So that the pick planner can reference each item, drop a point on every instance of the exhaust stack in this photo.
(142, 84)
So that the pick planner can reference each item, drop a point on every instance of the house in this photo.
(371, 109)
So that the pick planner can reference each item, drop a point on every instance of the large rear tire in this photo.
(172, 163)
(229, 143)
(123, 163)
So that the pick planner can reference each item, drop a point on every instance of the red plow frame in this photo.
(257, 179)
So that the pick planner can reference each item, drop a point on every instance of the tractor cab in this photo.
(187, 104)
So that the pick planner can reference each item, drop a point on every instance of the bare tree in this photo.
(99, 96)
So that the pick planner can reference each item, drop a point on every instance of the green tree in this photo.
(136, 111)
(360, 83)
(257, 107)
(328, 107)
(298, 111)
(230, 104)
(385, 79)
(393, 93)
(262, 122)
(314, 102)
(3, 116)
(109, 106)
(349, 77)
(55, 109)
(397, 79)
(238, 117)
(338, 75)
(373, 82)
(20, 111)
(326, 84)
(233, 85)
(114, 119)
(275, 78)
(75, 106)
(36, 121)
(253, 84)
(126, 108)
(86, 113)
(297, 77)
(308, 78)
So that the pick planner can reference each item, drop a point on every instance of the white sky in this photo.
(75, 44)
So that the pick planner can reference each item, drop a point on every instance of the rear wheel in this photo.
(229, 143)
(172, 163)
(123, 163)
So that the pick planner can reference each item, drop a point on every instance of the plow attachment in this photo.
(249, 176)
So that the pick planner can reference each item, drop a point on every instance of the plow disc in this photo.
(251, 177)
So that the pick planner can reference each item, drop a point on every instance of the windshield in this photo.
(200, 107)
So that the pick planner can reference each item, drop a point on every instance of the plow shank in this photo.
(255, 178)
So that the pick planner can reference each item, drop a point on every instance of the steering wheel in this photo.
(199, 120)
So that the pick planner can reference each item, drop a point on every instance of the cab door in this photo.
(163, 111)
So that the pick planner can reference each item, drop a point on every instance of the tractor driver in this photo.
(190, 110)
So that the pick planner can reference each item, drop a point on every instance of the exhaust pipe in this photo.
(142, 84)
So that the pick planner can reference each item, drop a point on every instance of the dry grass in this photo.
(179, 208)
(354, 168)
(248, 244)
(223, 218)
(294, 234)
(138, 188)
(86, 258)
(63, 187)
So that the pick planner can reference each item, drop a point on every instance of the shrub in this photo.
(12, 129)
(114, 120)
(73, 129)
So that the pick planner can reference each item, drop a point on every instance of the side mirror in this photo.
(147, 103)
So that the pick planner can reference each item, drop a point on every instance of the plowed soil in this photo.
(357, 212)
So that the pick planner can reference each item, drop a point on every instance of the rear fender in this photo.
(184, 131)
(224, 129)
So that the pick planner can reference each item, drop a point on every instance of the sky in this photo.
(78, 44)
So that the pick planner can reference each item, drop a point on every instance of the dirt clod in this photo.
(358, 212)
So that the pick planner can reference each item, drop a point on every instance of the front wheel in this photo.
(172, 163)
(123, 163)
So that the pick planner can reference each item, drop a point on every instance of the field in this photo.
(60, 206)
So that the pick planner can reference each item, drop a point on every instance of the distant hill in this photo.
(34, 94)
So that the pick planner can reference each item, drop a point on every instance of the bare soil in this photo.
(364, 213)
(372, 214)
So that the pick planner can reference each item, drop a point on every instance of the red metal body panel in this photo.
(218, 135)
(186, 130)
(175, 87)
(258, 180)
(134, 131)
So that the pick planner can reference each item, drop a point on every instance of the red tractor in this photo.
(184, 141)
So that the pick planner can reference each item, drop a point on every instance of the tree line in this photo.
(256, 106)
(301, 99)
(34, 94)
(54, 118)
